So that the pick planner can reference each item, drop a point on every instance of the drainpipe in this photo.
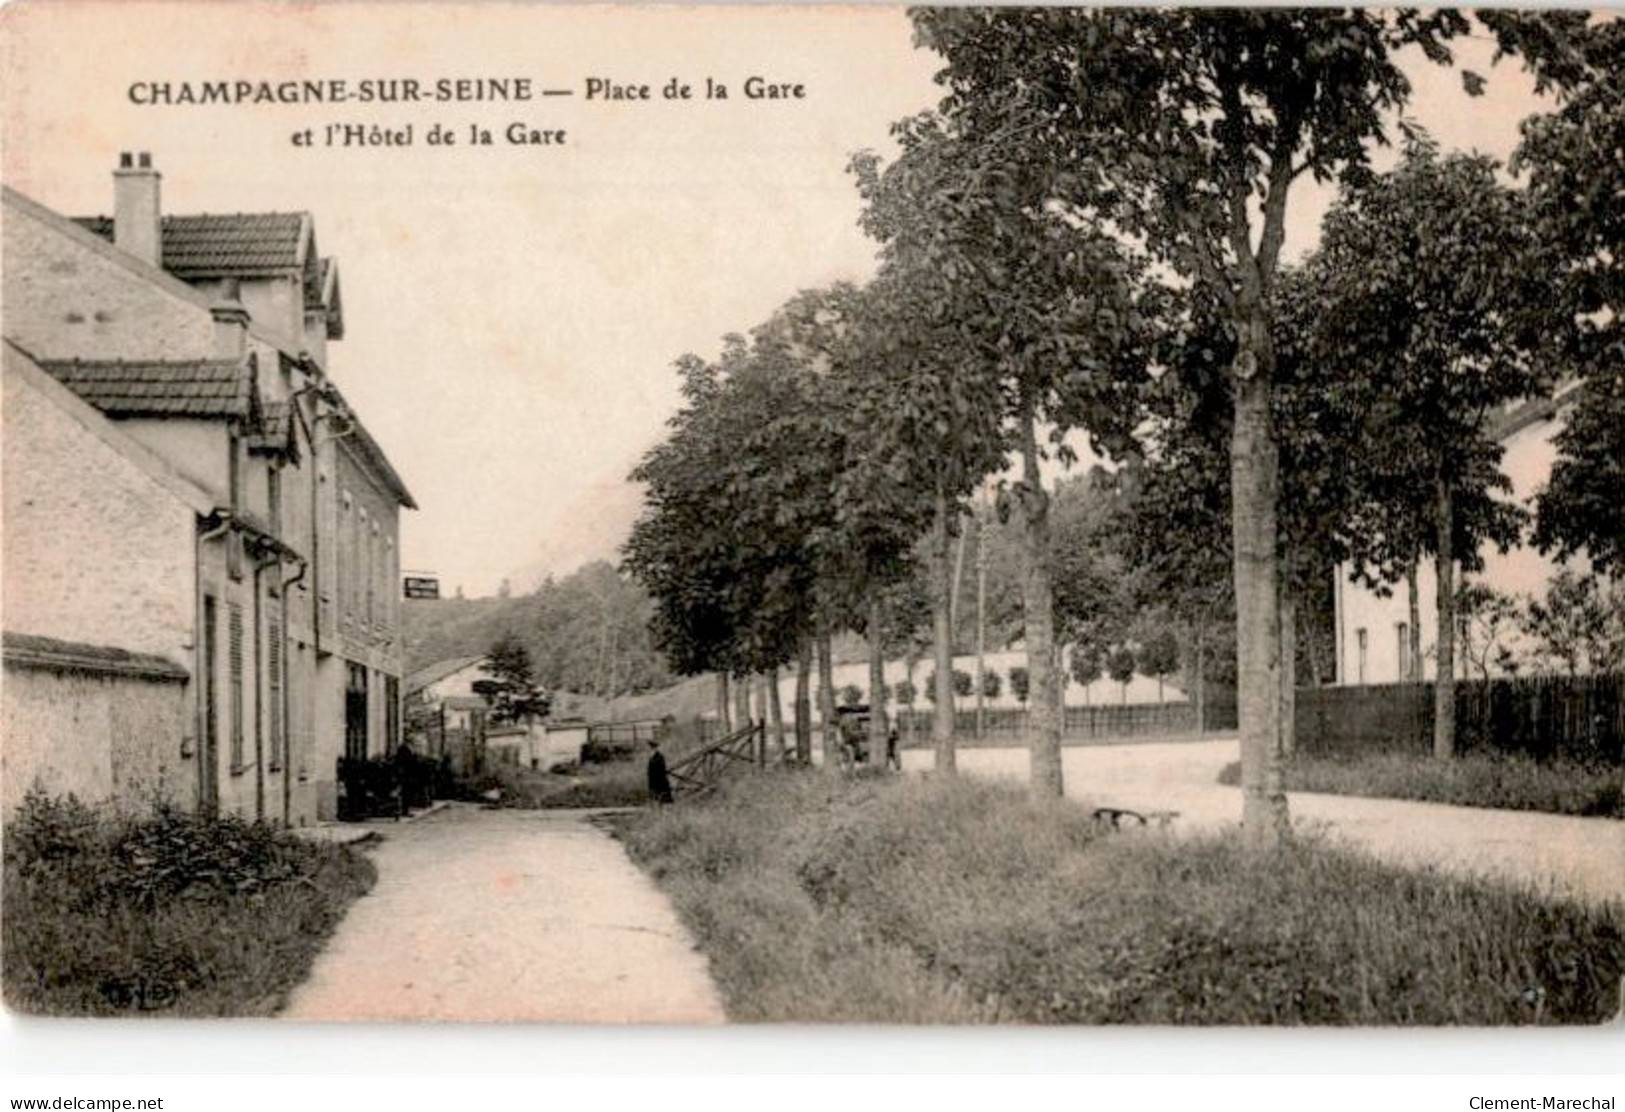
(287, 705)
(259, 692)
(202, 711)
(314, 387)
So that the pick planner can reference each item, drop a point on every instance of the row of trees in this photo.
(1121, 665)
(1085, 239)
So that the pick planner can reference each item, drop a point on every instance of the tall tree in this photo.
(927, 432)
(1188, 128)
(512, 690)
(1050, 310)
(1574, 157)
(1428, 269)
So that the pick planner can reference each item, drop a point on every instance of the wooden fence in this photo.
(1580, 718)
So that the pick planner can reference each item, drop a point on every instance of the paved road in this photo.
(1555, 853)
(508, 915)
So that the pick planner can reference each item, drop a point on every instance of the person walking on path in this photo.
(894, 760)
(659, 781)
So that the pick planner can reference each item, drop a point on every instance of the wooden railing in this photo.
(700, 772)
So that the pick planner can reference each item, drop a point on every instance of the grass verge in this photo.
(1471, 780)
(173, 914)
(611, 784)
(927, 901)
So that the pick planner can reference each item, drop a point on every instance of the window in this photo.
(234, 651)
(1402, 631)
(355, 712)
(273, 497)
(234, 470)
(346, 550)
(370, 574)
(392, 713)
(391, 586)
(1359, 637)
(211, 710)
(273, 664)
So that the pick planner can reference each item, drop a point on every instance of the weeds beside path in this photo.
(824, 899)
(1570, 856)
(172, 914)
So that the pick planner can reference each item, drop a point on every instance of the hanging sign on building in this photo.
(421, 586)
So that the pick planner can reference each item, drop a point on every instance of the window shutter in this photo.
(234, 649)
(273, 659)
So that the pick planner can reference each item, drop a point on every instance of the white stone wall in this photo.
(95, 548)
(105, 739)
(1103, 692)
(66, 299)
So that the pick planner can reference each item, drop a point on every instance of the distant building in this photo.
(1373, 634)
(446, 720)
(203, 341)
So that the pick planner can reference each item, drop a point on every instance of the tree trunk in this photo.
(741, 685)
(942, 703)
(826, 698)
(803, 703)
(1201, 682)
(959, 578)
(1038, 604)
(1253, 483)
(775, 712)
(1317, 663)
(981, 625)
(1414, 672)
(913, 660)
(877, 683)
(1444, 681)
(1289, 664)
(724, 704)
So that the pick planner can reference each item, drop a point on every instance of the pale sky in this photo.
(512, 312)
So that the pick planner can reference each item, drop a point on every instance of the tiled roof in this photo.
(27, 650)
(434, 673)
(187, 388)
(272, 431)
(208, 245)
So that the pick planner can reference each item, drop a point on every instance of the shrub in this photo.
(1020, 683)
(957, 901)
(172, 912)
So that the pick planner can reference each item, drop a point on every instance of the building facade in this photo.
(203, 340)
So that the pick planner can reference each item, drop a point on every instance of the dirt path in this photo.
(508, 915)
(1560, 854)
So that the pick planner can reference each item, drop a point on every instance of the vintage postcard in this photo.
(686, 515)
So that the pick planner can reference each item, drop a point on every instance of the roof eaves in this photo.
(374, 456)
(27, 650)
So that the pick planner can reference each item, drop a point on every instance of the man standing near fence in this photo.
(659, 781)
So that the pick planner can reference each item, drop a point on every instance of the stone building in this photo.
(202, 340)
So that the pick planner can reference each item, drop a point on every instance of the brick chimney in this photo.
(230, 322)
(137, 218)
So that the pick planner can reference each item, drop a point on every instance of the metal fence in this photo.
(1575, 717)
